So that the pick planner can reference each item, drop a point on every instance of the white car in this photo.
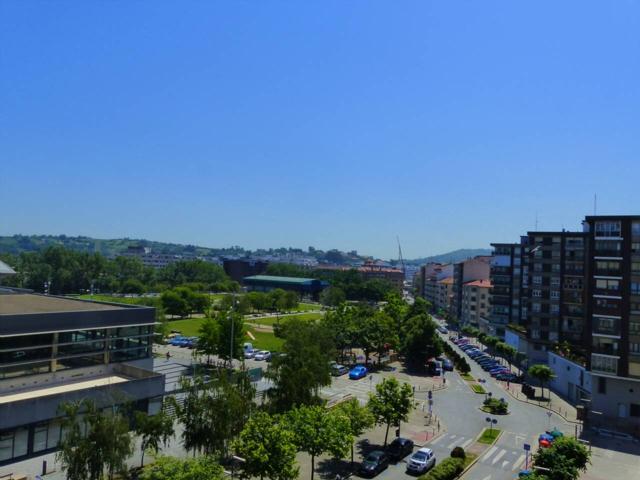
(262, 355)
(249, 353)
(421, 461)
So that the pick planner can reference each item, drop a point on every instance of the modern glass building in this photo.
(54, 350)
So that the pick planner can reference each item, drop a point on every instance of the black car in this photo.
(447, 365)
(399, 448)
(376, 462)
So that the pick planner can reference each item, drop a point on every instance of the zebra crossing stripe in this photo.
(467, 443)
(518, 462)
(491, 451)
(498, 456)
(437, 440)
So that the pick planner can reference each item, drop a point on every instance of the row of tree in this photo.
(63, 271)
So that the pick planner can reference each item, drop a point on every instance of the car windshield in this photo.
(420, 456)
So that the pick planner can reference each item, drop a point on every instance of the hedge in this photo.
(448, 469)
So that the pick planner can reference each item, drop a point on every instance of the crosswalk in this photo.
(495, 457)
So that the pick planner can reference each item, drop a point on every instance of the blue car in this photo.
(176, 341)
(358, 372)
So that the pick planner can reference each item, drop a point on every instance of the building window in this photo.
(635, 247)
(602, 385)
(554, 309)
(555, 294)
(555, 282)
(536, 293)
(634, 409)
(535, 307)
(607, 229)
(537, 267)
(635, 229)
(634, 348)
(604, 365)
(635, 288)
(537, 280)
(608, 247)
(607, 284)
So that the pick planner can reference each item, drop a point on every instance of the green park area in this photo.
(489, 435)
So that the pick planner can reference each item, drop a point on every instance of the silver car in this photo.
(421, 461)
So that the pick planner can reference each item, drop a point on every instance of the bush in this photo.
(458, 452)
(448, 469)
(496, 406)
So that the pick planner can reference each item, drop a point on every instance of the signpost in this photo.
(549, 420)
(527, 449)
(491, 422)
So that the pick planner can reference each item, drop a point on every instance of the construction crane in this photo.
(400, 255)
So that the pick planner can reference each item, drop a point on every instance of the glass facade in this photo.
(34, 354)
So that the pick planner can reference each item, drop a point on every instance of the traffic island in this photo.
(495, 406)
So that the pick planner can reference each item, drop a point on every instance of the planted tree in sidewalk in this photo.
(421, 341)
(208, 338)
(171, 468)
(95, 441)
(153, 431)
(340, 326)
(391, 404)
(566, 459)
(318, 430)
(304, 368)
(267, 445)
(542, 373)
(360, 418)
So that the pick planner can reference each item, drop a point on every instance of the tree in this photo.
(153, 430)
(360, 418)
(132, 285)
(95, 441)
(268, 447)
(170, 468)
(391, 403)
(208, 338)
(316, 431)
(339, 323)
(174, 303)
(565, 459)
(382, 333)
(303, 369)
(421, 341)
(214, 413)
(332, 296)
(542, 373)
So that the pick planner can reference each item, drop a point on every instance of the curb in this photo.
(575, 422)
(426, 443)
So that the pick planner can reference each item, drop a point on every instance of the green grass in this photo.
(489, 436)
(467, 376)
(305, 307)
(127, 300)
(265, 341)
(274, 320)
(188, 327)
(470, 457)
(478, 388)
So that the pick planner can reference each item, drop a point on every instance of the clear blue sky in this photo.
(334, 124)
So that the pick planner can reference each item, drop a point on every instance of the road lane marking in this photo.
(453, 444)
(437, 440)
(504, 463)
(488, 477)
(498, 456)
(491, 451)
(518, 462)
(467, 443)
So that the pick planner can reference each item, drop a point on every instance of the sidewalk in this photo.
(556, 403)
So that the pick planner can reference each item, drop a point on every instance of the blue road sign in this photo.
(527, 447)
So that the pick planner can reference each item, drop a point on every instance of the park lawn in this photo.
(265, 340)
(489, 436)
(478, 388)
(126, 300)
(188, 327)
(305, 307)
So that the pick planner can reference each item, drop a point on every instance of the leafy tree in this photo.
(421, 341)
(332, 296)
(340, 325)
(171, 468)
(542, 373)
(132, 285)
(318, 431)
(289, 301)
(303, 369)
(268, 447)
(208, 338)
(391, 403)
(153, 430)
(192, 271)
(566, 459)
(214, 413)
(174, 304)
(360, 418)
(105, 445)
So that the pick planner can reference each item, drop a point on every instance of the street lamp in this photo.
(491, 422)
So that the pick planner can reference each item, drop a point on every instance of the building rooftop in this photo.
(447, 281)
(6, 269)
(273, 278)
(479, 283)
(25, 303)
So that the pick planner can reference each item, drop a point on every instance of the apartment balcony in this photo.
(603, 364)
(500, 300)
(608, 272)
(607, 253)
(610, 349)
(606, 326)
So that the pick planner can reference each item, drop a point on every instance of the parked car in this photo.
(421, 461)
(376, 462)
(249, 353)
(447, 365)
(399, 448)
(497, 371)
(443, 330)
(262, 355)
(489, 366)
(508, 377)
(338, 370)
(357, 372)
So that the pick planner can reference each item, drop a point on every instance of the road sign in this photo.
(527, 447)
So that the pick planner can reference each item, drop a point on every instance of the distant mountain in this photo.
(451, 257)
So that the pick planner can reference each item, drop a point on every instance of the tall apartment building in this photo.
(507, 277)
(477, 268)
(613, 316)
(475, 302)
(444, 295)
(433, 290)
(554, 299)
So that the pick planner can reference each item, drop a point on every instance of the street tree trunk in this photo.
(386, 434)
(313, 465)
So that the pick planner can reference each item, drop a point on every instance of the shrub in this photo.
(448, 469)
(496, 406)
(458, 452)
